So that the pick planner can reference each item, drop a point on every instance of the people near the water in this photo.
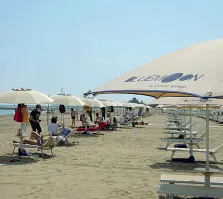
(73, 117)
(34, 119)
(25, 118)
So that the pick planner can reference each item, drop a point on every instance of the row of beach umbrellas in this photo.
(28, 96)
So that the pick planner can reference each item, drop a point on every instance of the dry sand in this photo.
(124, 164)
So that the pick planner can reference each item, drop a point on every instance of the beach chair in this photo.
(95, 130)
(43, 147)
(212, 152)
(65, 134)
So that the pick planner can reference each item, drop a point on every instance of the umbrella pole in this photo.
(207, 177)
(191, 146)
(47, 115)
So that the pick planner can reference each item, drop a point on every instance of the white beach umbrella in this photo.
(164, 101)
(193, 71)
(68, 100)
(111, 103)
(107, 103)
(118, 104)
(139, 105)
(128, 105)
(94, 103)
(25, 96)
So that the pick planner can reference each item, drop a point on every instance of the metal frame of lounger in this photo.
(212, 152)
(42, 147)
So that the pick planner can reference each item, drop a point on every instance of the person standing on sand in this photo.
(25, 118)
(34, 119)
(73, 116)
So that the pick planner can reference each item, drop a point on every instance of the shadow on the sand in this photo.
(8, 160)
(71, 144)
(45, 157)
(183, 166)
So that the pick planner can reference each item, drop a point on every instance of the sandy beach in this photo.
(124, 164)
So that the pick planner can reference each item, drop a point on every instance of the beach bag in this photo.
(18, 115)
(62, 109)
(191, 159)
(180, 146)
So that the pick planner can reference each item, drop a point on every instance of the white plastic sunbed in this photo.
(189, 179)
(190, 187)
(194, 141)
(212, 152)
(172, 190)
(194, 133)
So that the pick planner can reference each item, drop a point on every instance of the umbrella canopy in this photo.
(118, 104)
(140, 105)
(189, 102)
(110, 103)
(128, 105)
(192, 71)
(68, 100)
(165, 101)
(25, 96)
(94, 103)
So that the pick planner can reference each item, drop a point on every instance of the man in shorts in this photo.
(34, 119)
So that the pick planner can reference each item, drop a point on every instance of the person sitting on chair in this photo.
(37, 139)
(53, 128)
(98, 119)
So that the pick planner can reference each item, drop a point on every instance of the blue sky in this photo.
(79, 45)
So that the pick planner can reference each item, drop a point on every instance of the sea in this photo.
(7, 112)
(11, 111)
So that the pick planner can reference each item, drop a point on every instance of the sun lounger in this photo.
(171, 190)
(194, 133)
(95, 131)
(43, 147)
(194, 141)
(189, 179)
(212, 152)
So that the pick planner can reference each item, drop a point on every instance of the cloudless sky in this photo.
(80, 45)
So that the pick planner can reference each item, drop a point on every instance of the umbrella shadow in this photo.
(183, 166)
(7, 160)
